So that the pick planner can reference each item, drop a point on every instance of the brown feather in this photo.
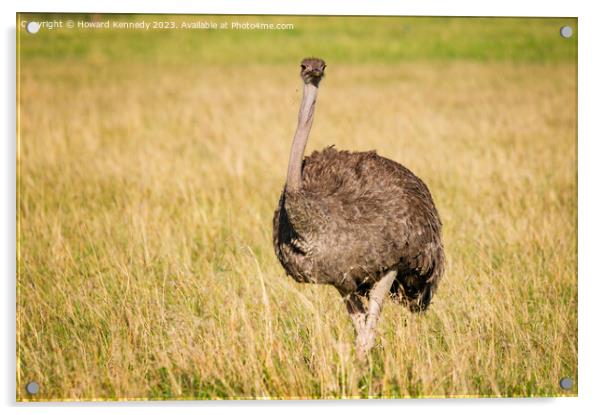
(356, 216)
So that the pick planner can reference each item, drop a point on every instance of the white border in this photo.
(590, 206)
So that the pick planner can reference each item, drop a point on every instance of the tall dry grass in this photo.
(146, 264)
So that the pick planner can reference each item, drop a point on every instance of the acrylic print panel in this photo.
(154, 151)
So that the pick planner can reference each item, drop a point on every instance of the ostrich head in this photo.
(312, 70)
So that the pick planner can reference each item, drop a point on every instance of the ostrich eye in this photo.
(303, 67)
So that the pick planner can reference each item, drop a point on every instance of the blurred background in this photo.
(358, 40)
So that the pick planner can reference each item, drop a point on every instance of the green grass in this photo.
(357, 40)
(148, 176)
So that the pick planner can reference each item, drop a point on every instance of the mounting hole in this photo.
(566, 31)
(33, 27)
(566, 383)
(32, 388)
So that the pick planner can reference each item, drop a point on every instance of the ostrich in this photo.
(358, 221)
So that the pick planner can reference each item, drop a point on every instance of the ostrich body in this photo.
(358, 221)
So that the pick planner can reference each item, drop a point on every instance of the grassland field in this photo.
(150, 164)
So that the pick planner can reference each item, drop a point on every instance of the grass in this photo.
(358, 40)
(147, 187)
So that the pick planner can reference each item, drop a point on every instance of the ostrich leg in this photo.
(377, 296)
(357, 312)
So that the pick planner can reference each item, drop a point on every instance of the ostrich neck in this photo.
(306, 117)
